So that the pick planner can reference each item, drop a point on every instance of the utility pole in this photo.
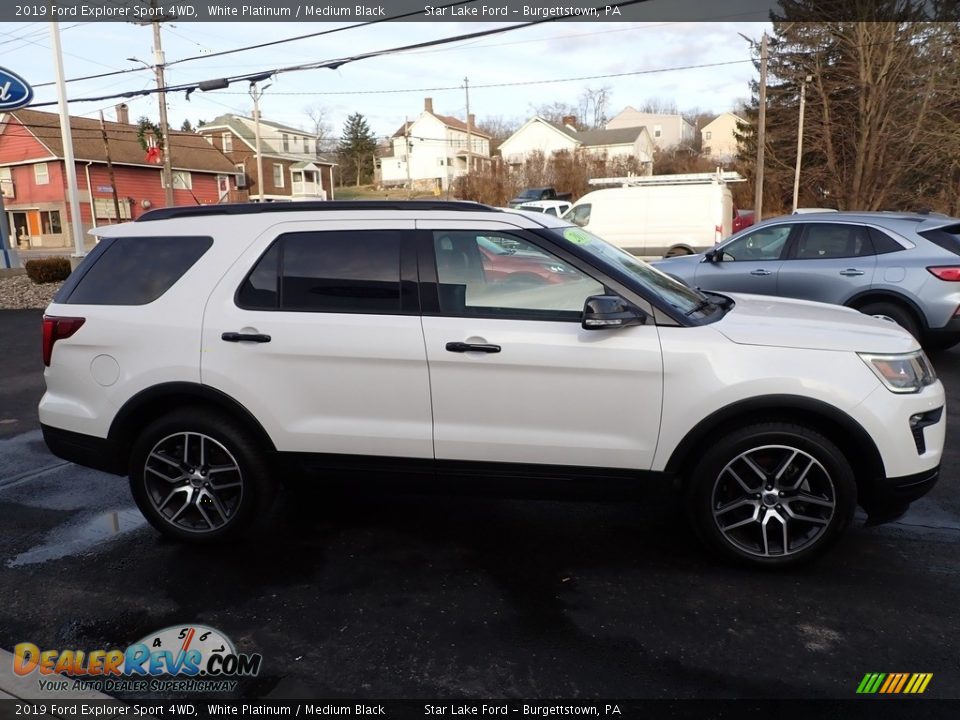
(256, 93)
(761, 133)
(408, 144)
(158, 63)
(466, 89)
(76, 225)
(113, 181)
(796, 170)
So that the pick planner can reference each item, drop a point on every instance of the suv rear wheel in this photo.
(772, 494)
(197, 476)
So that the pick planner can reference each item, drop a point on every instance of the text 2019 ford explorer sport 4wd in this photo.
(197, 349)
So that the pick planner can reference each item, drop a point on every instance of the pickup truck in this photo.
(538, 193)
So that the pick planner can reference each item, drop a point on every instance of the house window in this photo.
(286, 142)
(227, 142)
(182, 180)
(40, 174)
(707, 135)
(50, 222)
(657, 130)
(241, 175)
(278, 175)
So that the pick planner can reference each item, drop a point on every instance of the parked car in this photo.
(537, 193)
(518, 262)
(742, 219)
(551, 207)
(210, 351)
(658, 220)
(904, 267)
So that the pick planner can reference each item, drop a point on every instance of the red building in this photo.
(34, 185)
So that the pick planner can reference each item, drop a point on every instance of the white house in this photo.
(431, 151)
(718, 138)
(667, 130)
(539, 135)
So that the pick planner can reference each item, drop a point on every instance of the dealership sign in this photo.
(14, 90)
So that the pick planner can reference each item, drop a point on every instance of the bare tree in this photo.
(320, 125)
(594, 104)
(555, 111)
(499, 129)
(659, 106)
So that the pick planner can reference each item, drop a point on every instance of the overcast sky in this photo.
(553, 51)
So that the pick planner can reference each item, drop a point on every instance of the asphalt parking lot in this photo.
(408, 596)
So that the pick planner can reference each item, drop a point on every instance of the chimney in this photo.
(570, 120)
(472, 121)
(428, 105)
(122, 115)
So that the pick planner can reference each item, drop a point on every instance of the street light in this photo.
(796, 170)
(157, 67)
(255, 93)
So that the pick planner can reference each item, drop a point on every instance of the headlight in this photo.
(907, 373)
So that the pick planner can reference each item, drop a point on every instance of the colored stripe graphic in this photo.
(894, 683)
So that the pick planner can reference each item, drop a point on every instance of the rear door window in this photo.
(329, 271)
(132, 270)
(823, 241)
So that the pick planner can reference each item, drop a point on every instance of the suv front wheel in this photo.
(196, 476)
(772, 494)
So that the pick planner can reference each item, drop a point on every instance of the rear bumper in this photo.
(87, 450)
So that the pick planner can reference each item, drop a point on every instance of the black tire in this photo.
(901, 315)
(940, 341)
(713, 493)
(217, 502)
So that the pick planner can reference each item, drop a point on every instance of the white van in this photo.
(658, 219)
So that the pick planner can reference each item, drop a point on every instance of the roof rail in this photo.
(251, 208)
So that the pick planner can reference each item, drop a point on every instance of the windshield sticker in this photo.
(578, 236)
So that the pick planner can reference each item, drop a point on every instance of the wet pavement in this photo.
(392, 595)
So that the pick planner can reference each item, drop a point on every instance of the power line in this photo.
(253, 47)
(333, 64)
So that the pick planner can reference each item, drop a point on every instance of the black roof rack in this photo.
(311, 206)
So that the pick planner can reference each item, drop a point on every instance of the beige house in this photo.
(718, 137)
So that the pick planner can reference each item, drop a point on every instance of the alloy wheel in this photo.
(773, 501)
(193, 482)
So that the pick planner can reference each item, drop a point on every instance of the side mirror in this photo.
(714, 256)
(602, 312)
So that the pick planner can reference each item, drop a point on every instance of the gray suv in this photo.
(904, 267)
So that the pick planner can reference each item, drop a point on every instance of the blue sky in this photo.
(533, 55)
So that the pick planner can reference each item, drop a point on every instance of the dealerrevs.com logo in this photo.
(176, 659)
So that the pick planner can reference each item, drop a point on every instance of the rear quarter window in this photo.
(132, 270)
(946, 237)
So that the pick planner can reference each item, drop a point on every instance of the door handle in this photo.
(245, 337)
(461, 347)
(760, 272)
(851, 272)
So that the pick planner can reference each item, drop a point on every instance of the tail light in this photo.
(57, 328)
(949, 273)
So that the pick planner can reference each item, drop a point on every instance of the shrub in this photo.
(48, 270)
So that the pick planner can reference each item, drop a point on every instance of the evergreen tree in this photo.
(356, 148)
(882, 118)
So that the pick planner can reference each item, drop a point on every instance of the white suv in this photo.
(209, 351)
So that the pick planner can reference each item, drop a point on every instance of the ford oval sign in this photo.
(14, 90)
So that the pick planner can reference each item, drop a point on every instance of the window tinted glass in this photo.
(136, 270)
(355, 271)
(498, 275)
(763, 244)
(261, 289)
(883, 243)
(822, 241)
(948, 238)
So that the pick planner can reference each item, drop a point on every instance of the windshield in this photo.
(530, 193)
(672, 292)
